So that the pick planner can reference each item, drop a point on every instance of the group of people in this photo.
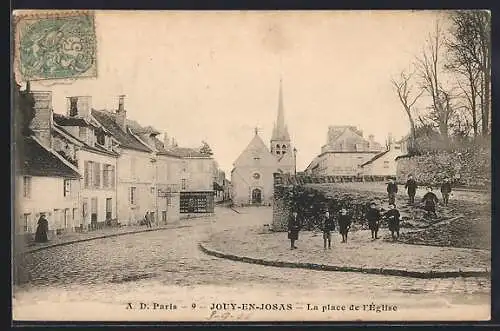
(374, 215)
(429, 200)
(343, 220)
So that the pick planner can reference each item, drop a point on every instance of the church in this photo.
(252, 174)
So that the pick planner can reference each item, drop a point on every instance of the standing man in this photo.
(392, 216)
(445, 191)
(328, 225)
(293, 229)
(344, 224)
(147, 217)
(373, 217)
(392, 189)
(411, 187)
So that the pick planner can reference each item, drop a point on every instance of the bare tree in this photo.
(430, 68)
(471, 51)
(405, 90)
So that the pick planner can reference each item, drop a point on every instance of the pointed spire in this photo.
(280, 131)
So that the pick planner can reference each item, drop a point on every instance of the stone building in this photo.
(136, 170)
(383, 164)
(80, 139)
(345, 150)
(252, 173)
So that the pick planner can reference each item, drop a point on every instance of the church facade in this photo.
(252, 174)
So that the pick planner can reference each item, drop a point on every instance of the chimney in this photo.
(79, 106)
(121, 113)
(42, 122)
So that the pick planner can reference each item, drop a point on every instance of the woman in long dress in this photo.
(42, 229)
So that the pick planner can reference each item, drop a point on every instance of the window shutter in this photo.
(112, 176)
(105, 180)
(97, 175)
(86, 173)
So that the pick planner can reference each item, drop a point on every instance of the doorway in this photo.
(256, 196)
(93, 213)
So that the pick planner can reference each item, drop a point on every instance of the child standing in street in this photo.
(328, 225)
(344, 224)
(373, 218)
(392, 216)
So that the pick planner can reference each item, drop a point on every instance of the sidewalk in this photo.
(360, 254)
(74, 237)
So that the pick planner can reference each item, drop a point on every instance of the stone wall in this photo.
(281, 203)
(470, 168)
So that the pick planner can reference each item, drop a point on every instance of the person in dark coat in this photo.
(293, 229)
(392, 216)
(446, 191)
(147, 218)
(430, 201)
(42, 229)
(392, 189)
(411, 187)
(373, 217)
(344, 224)
(327, 226)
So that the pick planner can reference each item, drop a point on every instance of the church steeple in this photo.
(280, 140)
(280, 130)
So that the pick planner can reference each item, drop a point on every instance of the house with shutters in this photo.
(80, 139)
(75, 148)
(136, 169)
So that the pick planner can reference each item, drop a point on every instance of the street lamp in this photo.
(295, 160)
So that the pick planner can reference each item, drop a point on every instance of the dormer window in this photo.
(278, 146)
(101, 138)
(284, 146)
(73, 108)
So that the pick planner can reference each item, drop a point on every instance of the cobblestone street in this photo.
(168, 265)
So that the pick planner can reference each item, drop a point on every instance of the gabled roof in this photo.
(189, 152)
(374, 158)
(40, 161)
(95, 148)
(256, 146)
(124, 137)
(63, 120)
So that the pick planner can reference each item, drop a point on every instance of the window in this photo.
(88, 173)
(278, 152)
(73, 106)
(278, 146)
(112, 176)
(284, 146)
(101, 138)
(82, 133)
(164, 216)
(152, 190)
(283, 153)
(27, 187)
(256, 175)
(132, 195)
(27, 222)
(386, 164)
(97, 175)
(75, 215)
(67, 187)
(183, 184)
(105, 175)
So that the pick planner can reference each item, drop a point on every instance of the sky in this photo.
(214, 76)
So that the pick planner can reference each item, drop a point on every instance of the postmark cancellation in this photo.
(54, 45)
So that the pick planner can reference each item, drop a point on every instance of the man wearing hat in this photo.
(293, 228)
(392, 216)
(344, 223)
(373, 218)
(327, 226)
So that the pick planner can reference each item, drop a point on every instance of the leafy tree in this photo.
(205, 148)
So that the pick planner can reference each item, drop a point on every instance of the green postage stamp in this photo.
(54, 45)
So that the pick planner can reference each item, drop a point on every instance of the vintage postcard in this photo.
(251, 166)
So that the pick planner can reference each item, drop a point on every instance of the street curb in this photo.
(101, 237)
(323, 267)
